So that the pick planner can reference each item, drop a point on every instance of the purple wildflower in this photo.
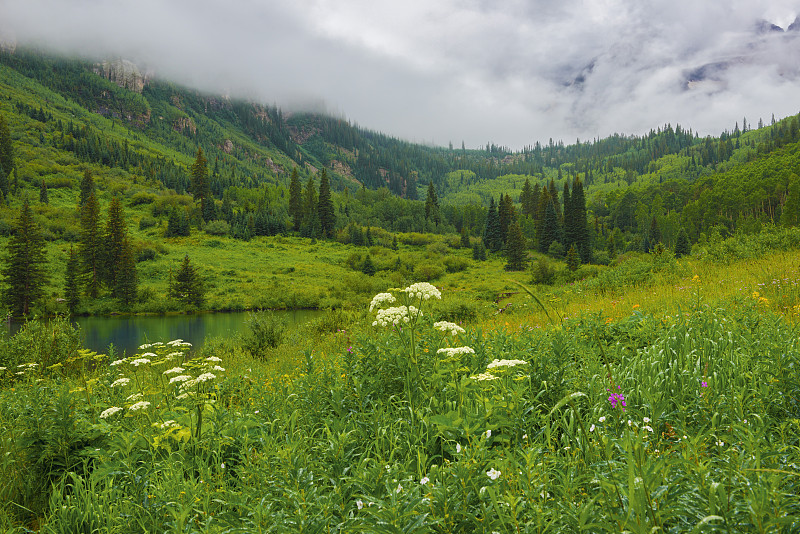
(617, 398)
(704, 384)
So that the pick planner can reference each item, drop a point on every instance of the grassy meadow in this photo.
(654, 395)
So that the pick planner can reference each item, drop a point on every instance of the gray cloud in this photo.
(511, 72)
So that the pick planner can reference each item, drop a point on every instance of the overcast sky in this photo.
(509, 72)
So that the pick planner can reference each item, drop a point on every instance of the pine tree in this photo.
(113, 238)
(72, 284)
(579, 221)
(201, 188)
(310, 226)
(526, 199)
(573, 260)
(654, 234)
(432, 205)
(464, 237)
(516, 252)
(682, 245)
(43, 199)
(550, 228)
(90, 246)
(126, 280)
(505, 214)
(479, 250)
(790, 213)
(24, 269)
(569, 221)
(6, 156)
(325, 211)
(187, 286)
(295, 200)
(491, 234)
(369, 266)
(86, 187)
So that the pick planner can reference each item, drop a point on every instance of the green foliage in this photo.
(265, 331)
(217, 228)
(24, 270)
(187, 285)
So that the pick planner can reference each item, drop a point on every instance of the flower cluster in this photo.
(617, 398)
(446, 326)
(505, 363)
(109, 412)
(379, 299)
(455, 351)
(423, 290)
(396, 315)
(484, 377)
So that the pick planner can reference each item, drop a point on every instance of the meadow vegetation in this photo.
(621, 402)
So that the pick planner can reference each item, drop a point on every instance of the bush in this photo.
(43, 342)
(264, 331)
(147, 222)
(455, 264)
(428, 271)
(146, 254)
(217, 228)
(543, 272)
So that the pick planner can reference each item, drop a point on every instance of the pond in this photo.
(128, 332)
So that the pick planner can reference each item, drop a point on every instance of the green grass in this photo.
(336, 428)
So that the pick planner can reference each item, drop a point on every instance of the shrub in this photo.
(217, 228)
(146, 254)
(147, 222)
(428, 271)
(543, 272)
(264, 331)
(44, 343)
(455, 264)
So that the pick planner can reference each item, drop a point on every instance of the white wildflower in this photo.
(213, 359)
(591, 428)
(458, 447)
(602, 419)
(117, 362)
(149, 355)
(179, 378)
(140, 361)
(135, 396)
(446, 326)
(120, 382)
(423, 290)
(167, 424)
(360, 504)
(174, 342)
(424, 480)
(453, 351)
(218, 368)
(484, 377)
(145, 346)
(141, 405)
(399, 488)
(206, 377)
(174, 370)
(648, 428)
(488, 433)
(505, 363)
(646, 420)
(395, 315)
(381, 298)
(720, 443)
(109, 412)
(493, 473)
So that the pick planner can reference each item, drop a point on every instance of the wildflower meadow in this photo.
(407, 422)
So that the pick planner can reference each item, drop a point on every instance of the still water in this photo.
(127, 333)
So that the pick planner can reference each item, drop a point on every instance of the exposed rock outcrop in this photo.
(124, 73)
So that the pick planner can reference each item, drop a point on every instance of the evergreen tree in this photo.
(295, 200)
(6, 156)
(505, 213)
(516, 252)
(126, 280)
(432, 205)
(24, 269)
(325, 211)
(682, 245)
(177, 223)
(479, 250)
(790, 213)
(90, 246)
(369, 266)
(201, 188)
(72, 285)
(573, 260)
(491, 234)
(43, 194)
(113, 238)
(187, 286)
(580, 225)
(569, 222)
(310, 226)
(550, 228)
(87, 187)
(526, 200)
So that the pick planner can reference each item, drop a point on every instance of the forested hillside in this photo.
(181, 162)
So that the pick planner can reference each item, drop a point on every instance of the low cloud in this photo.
(511, 73)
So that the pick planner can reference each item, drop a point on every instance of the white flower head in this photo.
(360, 504)
(646, 420)
(117, 362)
(424, 480)
(381, 298)
(218, 368)
(120, 382)
(167, 424)
(493, 473)
(140, 361)
(396, 315)
(458, 447)
(141, 405)
(135, 396)
(505, 363)
(179, 378)
(484, 377)
(174, 370)
(591, 428)
(455, 351)
(213, 359)
(206, 377)
(602, 419)
(149, 355)
(399, 488)
(423, 290)
(109, 412)
(488, 433)
(446, 326)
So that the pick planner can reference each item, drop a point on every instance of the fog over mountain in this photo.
(512, 73)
